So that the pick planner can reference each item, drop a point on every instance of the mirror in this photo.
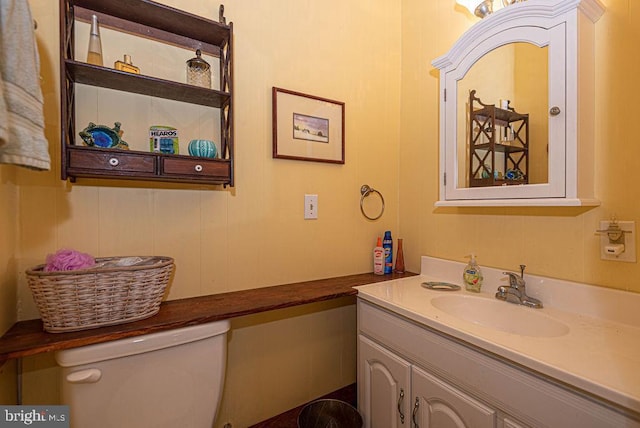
(493, 152)
(517, 110)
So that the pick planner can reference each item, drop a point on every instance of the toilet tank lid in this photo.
(139, 344)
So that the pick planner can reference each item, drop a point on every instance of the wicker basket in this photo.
(97, 297)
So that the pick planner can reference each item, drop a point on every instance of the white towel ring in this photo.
(365, 191)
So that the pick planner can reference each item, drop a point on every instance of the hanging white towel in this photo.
(22, 140)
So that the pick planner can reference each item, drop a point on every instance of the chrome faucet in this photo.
(516, 291)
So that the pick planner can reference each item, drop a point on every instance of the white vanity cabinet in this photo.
(384, 381)
(410, 375)
(437, 403)
(394, 393)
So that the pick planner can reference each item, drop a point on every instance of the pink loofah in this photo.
(68, 260)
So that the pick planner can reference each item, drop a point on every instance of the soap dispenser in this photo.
(472, 275)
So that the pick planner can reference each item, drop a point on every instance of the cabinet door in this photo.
(437, 404)
(109, 161)
(196, 168)
(383, 386)
(509, 422)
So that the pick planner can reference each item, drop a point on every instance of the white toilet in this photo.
(168, 379)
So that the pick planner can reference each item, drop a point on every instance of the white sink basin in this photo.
(500, 315)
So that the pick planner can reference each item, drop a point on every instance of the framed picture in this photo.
(307, 128)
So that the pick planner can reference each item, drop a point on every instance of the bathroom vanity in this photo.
(429, 358)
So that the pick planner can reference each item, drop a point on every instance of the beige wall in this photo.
(376, 58)
(8, 238)
(8, 225)
(557, 242)
(252, 235)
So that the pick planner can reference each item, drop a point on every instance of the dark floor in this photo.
(290, 419)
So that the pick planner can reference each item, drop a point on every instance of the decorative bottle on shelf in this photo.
(399, 258)
(126, 65)
(94, 54)
(199, 71)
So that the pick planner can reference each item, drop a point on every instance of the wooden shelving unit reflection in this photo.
(494, 131)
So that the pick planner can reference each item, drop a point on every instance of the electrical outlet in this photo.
(620, 247)
(310, 207)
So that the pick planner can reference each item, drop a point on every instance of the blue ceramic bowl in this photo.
(203, 148)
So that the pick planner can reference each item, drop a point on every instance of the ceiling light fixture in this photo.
(482, 8)
(479, 8)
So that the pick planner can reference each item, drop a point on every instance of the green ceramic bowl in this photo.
(203, 148)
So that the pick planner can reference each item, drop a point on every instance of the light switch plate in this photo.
(628, 239)
(310, 207)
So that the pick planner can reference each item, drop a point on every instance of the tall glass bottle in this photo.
(400, 258)
(94, 54)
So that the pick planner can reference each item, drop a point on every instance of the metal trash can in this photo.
(328, 413)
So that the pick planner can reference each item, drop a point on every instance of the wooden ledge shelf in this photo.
(28, 338)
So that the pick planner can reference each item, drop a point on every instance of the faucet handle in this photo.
(515, 281)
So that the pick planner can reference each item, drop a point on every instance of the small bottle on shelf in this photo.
(126, 65)
(378, 258)
(399, 268)
(94, 53)
(387, 244)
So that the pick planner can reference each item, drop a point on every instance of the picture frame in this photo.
(307, 127)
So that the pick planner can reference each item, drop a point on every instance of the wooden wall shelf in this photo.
(104, 77)
(149, 20)
(28, 338)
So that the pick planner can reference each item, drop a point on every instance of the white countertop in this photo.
(599, 354)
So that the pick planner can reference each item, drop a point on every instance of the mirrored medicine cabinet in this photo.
(517, 108)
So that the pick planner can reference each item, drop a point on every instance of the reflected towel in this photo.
(22, 140)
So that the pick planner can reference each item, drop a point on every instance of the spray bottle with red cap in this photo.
(378, 258)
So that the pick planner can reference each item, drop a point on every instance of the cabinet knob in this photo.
(554, 111)
(198, 168)
(114, 161)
